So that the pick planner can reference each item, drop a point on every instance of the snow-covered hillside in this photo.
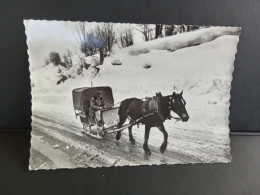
(199, 62)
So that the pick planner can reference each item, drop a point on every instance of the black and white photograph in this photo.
(118, 94)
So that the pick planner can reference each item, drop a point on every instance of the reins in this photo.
(123, 100)
(176, 118)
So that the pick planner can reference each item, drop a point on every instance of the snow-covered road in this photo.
(57, 142)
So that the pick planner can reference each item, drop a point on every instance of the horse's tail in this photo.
(122, 111)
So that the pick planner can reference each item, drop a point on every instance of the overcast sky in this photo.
(46, 36)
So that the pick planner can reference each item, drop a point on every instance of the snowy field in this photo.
(200, 63)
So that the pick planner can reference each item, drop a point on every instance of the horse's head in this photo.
(177, 105)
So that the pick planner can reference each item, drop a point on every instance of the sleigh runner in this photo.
(109, 116)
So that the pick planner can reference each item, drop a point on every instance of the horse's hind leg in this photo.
(131, 138)
(118, 135)
(122, 119)
(146, 137)
(165, 135)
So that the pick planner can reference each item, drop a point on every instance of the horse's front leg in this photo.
(146, 137)
(131, 138)
(165, 136)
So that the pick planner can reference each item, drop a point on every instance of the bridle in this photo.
(171, 108)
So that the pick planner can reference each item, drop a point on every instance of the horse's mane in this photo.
(165, 106)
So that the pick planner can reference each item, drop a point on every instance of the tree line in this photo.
(102, 38)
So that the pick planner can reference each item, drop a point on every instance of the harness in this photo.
(145, 106)
(171, 107)
(176, 118)
(153, 105)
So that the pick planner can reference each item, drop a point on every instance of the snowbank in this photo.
(194, 70)
(183, 40)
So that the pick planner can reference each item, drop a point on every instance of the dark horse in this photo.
(135, 109)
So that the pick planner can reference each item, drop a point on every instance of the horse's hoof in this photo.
(118, 135)
(163, 148)
(148, 153)
(146, 150)
(132, 141)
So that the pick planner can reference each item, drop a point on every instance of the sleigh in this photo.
(109, 115)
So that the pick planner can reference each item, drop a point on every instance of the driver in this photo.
(97, 103)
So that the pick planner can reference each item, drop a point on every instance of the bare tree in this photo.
(158, 30)
(67, 58)
(91, 44)
(100, 39)
(125, 37)
(105, 39)
(169, 30)
(86, 39)
(146, 30)
(106, 31)
(110, 36)
(81, 30)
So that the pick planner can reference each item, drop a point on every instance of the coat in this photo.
(95, 105)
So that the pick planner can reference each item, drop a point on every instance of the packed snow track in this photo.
(57, 142)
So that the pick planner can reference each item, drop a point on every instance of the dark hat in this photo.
(99, 92)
